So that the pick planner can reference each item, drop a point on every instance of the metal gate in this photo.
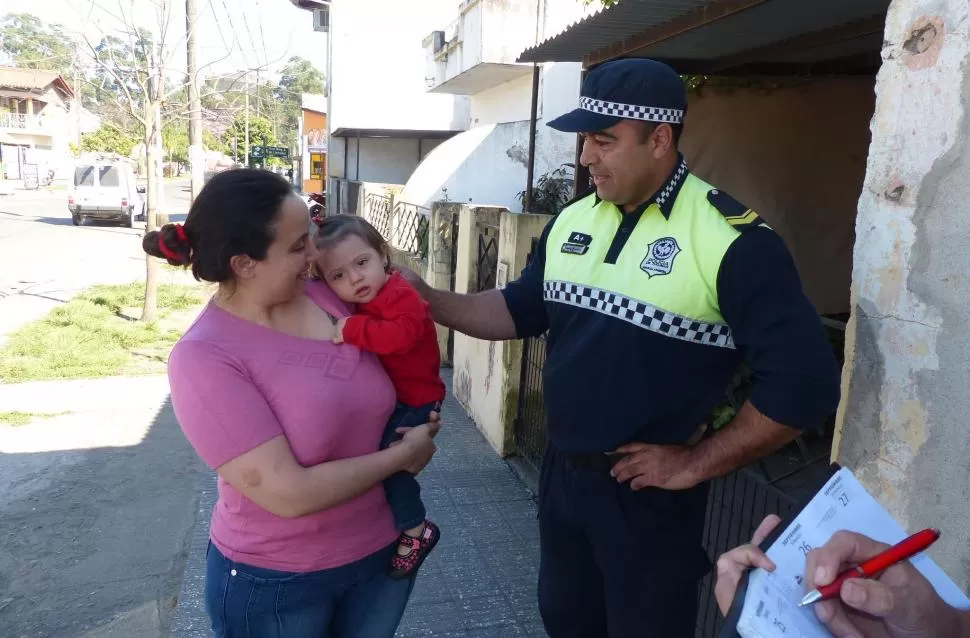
(529, 431)
(454, 274)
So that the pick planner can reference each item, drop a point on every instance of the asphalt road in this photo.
(45, 259)
(96, 504)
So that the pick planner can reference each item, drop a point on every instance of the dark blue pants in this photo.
(613, 562)
(402, 489)
(358, 600)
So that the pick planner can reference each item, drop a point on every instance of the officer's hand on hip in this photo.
(645, 465)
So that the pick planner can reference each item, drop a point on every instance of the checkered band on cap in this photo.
(640, 314)
(632, 111)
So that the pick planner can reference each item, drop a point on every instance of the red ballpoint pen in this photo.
(874, 566)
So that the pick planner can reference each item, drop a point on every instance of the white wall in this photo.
(383, 160)
(485, 165)
(379, 67)
(507, 102)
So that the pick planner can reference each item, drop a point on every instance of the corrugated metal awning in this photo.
(727, 36)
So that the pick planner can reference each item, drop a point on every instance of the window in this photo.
(316, 165)
(84, 176)
(108, 176)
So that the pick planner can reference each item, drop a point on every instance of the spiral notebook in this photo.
(768, 601)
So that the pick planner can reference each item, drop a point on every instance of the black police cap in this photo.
(630, 89)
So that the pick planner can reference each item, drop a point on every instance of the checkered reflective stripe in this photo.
(672, 183)
(638, 313)
(632, 111)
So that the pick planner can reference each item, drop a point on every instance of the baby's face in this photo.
(352, 269)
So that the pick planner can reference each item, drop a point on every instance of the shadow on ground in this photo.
(93, 541)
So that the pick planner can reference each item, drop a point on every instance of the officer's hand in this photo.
(645, 465)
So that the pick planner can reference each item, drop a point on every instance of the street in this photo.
(100, 499)
(44, 259)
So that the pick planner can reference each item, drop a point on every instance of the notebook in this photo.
(770, 599)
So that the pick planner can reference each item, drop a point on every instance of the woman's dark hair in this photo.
(234, 214)
(336, 228)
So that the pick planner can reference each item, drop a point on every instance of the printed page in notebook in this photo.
(771, 605)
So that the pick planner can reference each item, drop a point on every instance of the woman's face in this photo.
(353, 269)
(282, 275)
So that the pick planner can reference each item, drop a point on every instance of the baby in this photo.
(394, 322)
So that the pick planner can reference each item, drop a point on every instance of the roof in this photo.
(314, 102)
(32, 80)
(394, 133)
(728, 36)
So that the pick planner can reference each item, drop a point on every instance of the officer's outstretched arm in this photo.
(483, 315)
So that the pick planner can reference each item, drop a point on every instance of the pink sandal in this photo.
(404, 566)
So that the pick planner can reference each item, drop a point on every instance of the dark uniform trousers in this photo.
(615, 562)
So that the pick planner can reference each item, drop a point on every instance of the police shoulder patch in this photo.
(734, 212)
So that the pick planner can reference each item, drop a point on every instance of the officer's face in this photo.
(624, 161)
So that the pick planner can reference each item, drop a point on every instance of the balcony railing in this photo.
(15, 120)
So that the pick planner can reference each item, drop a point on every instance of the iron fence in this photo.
(529, 431)
(487, 262)
(377, 211)
(411, 226)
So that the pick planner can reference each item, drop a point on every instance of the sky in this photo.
(233, 35)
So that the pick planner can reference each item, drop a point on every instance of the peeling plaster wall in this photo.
(903, 422)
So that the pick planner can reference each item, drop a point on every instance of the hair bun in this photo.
(170, 243)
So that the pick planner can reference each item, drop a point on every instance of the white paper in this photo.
(771, 605)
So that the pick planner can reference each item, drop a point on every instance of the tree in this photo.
(260, 134)
(108, 139)
(31, 44)
(299, 76)
(175, 141)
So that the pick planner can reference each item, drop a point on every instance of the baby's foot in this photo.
(412, 550)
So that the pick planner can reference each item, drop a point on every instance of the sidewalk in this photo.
(481, 578)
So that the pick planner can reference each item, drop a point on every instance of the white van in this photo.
(105, 190)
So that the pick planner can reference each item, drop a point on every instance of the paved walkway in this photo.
(96, 509)
(480, 580)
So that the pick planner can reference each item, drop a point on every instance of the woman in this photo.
(899, 603)
(301, 536)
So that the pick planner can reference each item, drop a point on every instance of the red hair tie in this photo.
(170, 254)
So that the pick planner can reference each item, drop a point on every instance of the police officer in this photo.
(653, 287)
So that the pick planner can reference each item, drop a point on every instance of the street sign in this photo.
(257, 152)
(277, 151)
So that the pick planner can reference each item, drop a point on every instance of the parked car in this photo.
(105, 190)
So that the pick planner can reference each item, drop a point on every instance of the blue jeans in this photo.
(352, 601)
(402, 489)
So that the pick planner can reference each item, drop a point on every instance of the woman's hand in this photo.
(420, 442)
(731, 565)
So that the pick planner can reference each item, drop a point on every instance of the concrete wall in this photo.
(385, 160)
(797, 155)
(903, 420)
(485, 165)
(486, 376)
(508, 102)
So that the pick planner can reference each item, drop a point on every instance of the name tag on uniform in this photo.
(577, 244)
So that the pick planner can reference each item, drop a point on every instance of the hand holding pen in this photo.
(898, 602)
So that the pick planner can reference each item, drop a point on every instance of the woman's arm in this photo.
(271, 477)
(231, 426)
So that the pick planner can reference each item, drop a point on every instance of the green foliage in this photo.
(175, 141)
(260, 134)
(31, 44)
(550, 192)
(212, 143)
(108, 139)
(299, 76)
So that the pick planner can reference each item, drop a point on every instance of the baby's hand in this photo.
(338, 337)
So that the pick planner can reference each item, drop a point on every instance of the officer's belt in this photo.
(603, 462)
